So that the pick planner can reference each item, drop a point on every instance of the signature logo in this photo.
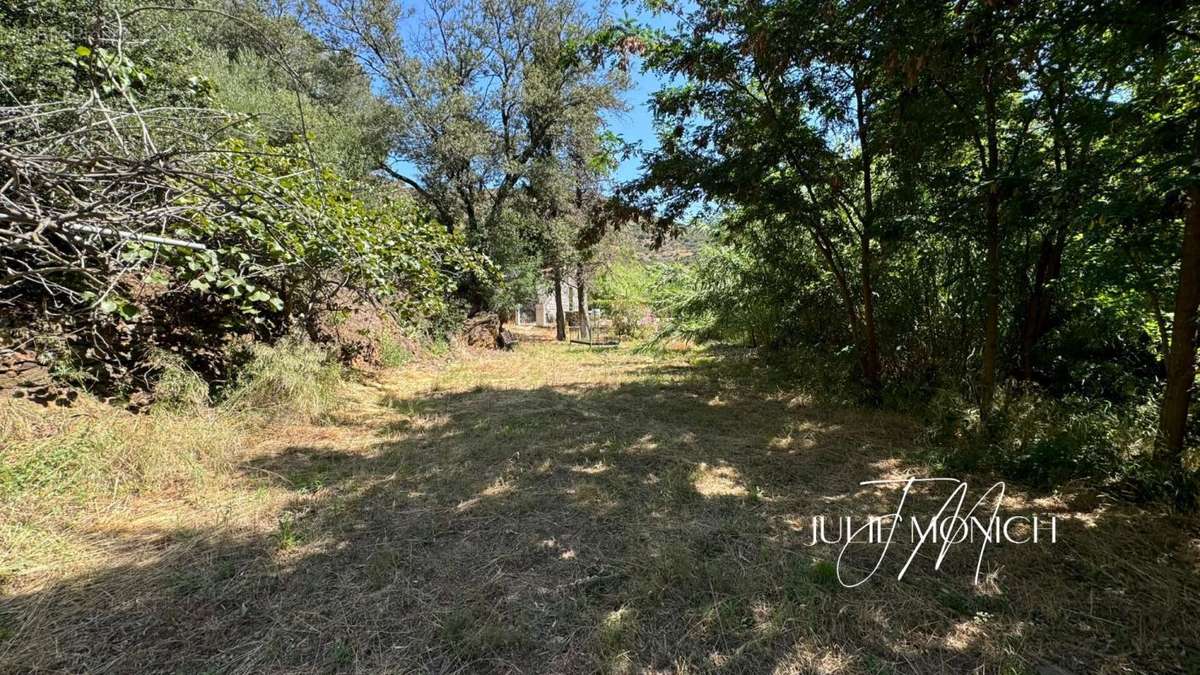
(956, 522)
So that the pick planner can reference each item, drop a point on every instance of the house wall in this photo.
(545, 307)
(570, 302)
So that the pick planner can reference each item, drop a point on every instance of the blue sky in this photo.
(636, 125)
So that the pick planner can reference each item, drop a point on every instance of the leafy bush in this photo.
(298, 238)
(1044, 440)
(129, 140)
(299, 246)
(626, 294)
(748, 288)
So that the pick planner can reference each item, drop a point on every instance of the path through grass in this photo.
(558, 509)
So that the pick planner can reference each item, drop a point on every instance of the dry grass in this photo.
(557, 509)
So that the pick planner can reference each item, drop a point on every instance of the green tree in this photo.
(478, 92)
(784, 115)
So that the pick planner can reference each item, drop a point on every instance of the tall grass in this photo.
(292, 380)
(178, 387)
(92, 449)
(64, 457)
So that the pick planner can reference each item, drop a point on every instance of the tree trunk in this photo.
(828, 252)
(560, 316)
(1181, 362)
(585, 328)
(1036, 319)
(991, 321)
(870, 358)
(871, 354)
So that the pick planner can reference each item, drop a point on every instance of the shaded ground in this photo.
(558, 509)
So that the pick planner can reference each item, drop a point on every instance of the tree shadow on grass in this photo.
(656, 524)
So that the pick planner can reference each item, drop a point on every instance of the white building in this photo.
(542, 311)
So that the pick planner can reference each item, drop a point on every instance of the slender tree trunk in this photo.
(991, 321)
(560, 316)
(871, 339)
(585, 329)
(1181, 362)
(870, 359)
(1036, 319)
(825, 247)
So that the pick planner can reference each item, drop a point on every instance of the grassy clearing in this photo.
(559, 509)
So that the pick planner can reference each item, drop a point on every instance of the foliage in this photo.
(497, 121)
(1046, 441)
(298, 240)
(393, 353)
(746, 286)
(626, 292)
(980, 198)
(515, 251)
(145, 221)
(291, 89)
(473, 127)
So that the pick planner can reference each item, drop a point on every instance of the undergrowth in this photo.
(93, 452)
(293, 380)
(1036, 437)
(1046, 441)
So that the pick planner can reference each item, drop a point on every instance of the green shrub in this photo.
(302, 237)
(392, 352)
(1045, 440)
(625, 293)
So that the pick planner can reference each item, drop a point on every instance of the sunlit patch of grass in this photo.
(617, 630)
(66, 473)
(718, 481)
(178, 388)
(97, 450)
(30, 546)
(393, 353)
(288, 534)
